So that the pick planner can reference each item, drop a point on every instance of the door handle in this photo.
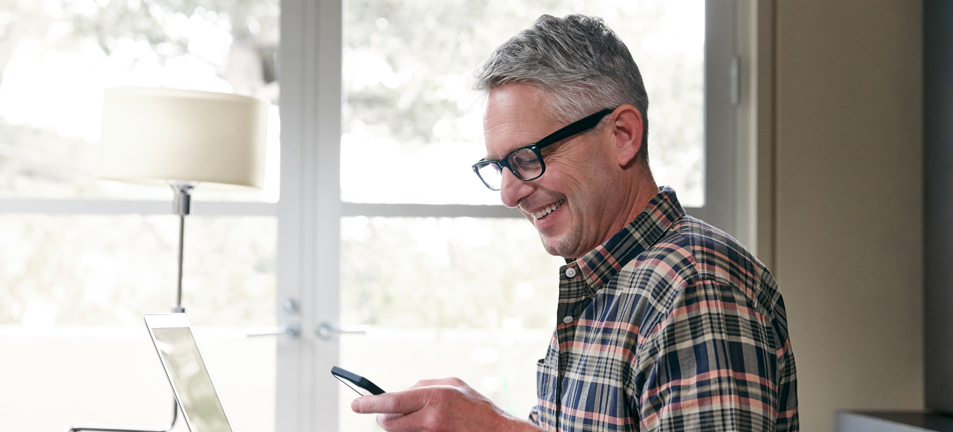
(325, 330)
(292, 329)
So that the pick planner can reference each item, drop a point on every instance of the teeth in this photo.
(542, 213)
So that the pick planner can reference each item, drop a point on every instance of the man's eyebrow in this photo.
(489, 157)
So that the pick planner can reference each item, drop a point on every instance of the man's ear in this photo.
(626, 133)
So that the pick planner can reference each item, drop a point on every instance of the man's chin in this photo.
(557, 247)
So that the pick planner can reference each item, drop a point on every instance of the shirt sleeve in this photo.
(534, 415)
(709, 364)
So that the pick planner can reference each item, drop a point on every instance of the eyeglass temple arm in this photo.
(579, 126)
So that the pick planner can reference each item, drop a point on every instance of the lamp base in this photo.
(175, 416)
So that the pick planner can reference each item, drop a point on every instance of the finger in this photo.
(452, 381)
(389, 403)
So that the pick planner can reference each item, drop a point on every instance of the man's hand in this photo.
(447, 404)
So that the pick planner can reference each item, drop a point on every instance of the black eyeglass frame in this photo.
(574, 128)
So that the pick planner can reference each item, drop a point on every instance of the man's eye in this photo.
(524, 159)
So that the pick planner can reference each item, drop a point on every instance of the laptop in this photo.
(186, 370)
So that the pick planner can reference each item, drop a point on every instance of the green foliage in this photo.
(430, 272)
(65, 24)
(427, 52)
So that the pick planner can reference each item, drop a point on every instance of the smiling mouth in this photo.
(542, 213)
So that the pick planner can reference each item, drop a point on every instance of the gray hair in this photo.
(579, 63)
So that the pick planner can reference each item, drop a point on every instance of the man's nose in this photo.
(513, 190)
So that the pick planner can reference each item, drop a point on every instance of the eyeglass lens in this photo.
(491, 175)
(524, 163)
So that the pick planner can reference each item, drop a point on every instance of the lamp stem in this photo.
(181, 205)
(178, 298)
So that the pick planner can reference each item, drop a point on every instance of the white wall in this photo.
(848, 201)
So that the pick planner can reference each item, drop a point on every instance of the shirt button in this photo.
(570, 272)
(567, 320)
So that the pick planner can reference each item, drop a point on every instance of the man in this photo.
(664, 322)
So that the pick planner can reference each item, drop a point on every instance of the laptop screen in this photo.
(190, 380)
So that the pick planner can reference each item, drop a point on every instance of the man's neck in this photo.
(643, 189)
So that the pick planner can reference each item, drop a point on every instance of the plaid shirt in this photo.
(670, 325)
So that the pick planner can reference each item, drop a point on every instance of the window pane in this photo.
(73, 290)
(57, 57)
(465, 297)
(412, 128)
(109, 270)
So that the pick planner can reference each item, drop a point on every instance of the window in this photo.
(445, 280)
(83, 259)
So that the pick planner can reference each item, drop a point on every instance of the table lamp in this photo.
(181, 138)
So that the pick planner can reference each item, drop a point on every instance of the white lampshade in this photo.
(152, 135)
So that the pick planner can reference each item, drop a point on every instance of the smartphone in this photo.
(361, 385)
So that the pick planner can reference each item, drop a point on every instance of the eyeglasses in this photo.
(526, 163)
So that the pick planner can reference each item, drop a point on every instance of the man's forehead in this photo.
(513, 118)
(502, 133)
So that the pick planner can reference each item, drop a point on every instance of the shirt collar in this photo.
(602, 263)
